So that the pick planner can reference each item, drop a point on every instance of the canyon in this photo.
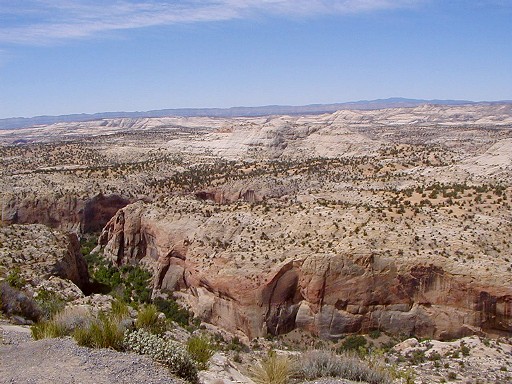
(396, 220)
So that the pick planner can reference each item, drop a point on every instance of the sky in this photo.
(77, 56)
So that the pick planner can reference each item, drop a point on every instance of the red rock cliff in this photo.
(201, 256)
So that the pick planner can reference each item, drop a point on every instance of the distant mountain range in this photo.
(395, 102)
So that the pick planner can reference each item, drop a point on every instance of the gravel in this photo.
(62, 361)
(14, 334)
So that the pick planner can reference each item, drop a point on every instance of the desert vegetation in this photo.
(216, 212)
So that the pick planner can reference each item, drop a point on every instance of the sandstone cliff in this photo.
(66, 212)
(246, 271)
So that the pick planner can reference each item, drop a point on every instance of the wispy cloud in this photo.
(46, 21)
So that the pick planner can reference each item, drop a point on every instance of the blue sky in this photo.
(77, 56)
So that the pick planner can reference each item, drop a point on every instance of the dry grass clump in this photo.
(63, 323)
(47, 330)
(273, 369)
(321, 363)
(311, 365)
(120, 309)
(200, 349)
(105, 332)
(148, 319)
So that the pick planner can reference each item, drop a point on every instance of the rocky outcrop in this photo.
(99, 210)
(358, 295)
(63, 212)
(226, 196)
(326, 294)
(40, 254)
(66, 212)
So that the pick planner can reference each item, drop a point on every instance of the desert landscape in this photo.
(381, 233)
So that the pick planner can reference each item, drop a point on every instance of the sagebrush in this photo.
(164, 351)
(15, 302)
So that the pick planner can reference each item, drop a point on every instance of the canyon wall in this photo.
(64, 212)
(326, 294)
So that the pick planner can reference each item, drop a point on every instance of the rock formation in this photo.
(326, 294)
(395, 219)
(66, 212)
(44, 257)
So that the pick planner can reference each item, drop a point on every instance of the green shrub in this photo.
(417, 357)
(131, 282)
(147, 318)
(137, 283)
(104, 332)
(375, 334)
(236, 345)
(15, 280)
(273, 369)
(353, 343)
(464, 349)
(201, 350)
(405, 376)
(173, 311)
(87, 244)
(167, 352)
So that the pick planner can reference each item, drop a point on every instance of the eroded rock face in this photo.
(99, 210)
(228, 195)
(326, 294)
(352, 295)
(66, 212)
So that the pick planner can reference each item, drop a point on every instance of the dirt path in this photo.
(61, 361)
